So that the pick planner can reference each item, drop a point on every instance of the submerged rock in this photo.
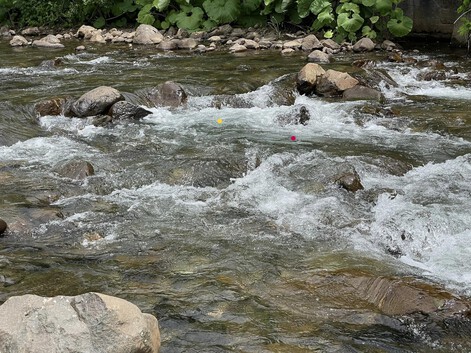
(124, 110)
(90, 322)
(297, 115)
(169, 94)
(350, 181)
(77, 169)
(3, 226)
(51, 64)
(360, 92)
(96, 101)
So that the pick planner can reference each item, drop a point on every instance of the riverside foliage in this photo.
(338, 19)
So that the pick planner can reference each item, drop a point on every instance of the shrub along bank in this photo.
(336, 19)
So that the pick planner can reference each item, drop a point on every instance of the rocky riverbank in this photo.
(225, 37)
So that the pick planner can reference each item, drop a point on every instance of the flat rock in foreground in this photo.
(90, 322)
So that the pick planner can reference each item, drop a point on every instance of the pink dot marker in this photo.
(293, 138)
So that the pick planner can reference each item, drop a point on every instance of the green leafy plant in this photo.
(464, 29)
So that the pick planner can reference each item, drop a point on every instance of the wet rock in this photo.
(310, 43)
(329, 43)
(251, 44)
(306, 79)
(364, 44)
(54, 106)
(123, 110)
(50, 41)
(85, 32)
(169, 94)
(223, 30)
(3, 227)
(168, 44)
(374, 78)
(432, 75)
(350, 181)
(333, 83)
(360, 92)
(388, 45)
(147, 34)
(297, 115)
(18, 41)
(287, 51)
(293, 44)
(31, 31)
(237, 48)
(97, 37)
(6, 281)
(101, 120)
(96, 101)
(76, 169)
(80, 48)
(187, 43)
(364, 63)
(90, 322)
(319, 56)
(51, 64)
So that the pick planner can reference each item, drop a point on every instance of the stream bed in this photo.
(234, 232)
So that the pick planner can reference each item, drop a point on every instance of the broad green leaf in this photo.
(400, 28)
(383, 6)
(317, 6)
(165, 24)
(268, 2)
(209, 25)
(374, 19)
(249, 6)
(349, 7)
(190, 21)
(350, 24)
(161, 5)
(294, 17)
(325, 18)
(368, 3)
(397, 13)
(172, 17)
(144, 2)
(222, 11)
(367, 31)
(282, 5)
(146, 19)
(304, 8)
(99, 22)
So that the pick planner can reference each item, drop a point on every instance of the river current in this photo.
(219, 227)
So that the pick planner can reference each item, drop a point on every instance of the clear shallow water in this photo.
(227, 232)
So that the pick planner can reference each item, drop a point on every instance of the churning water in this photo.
(217, 227)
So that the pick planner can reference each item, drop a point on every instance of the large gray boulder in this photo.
(123, 110)
(97, 101)
(147, 34)
(364, 44)
(168, 94)
(90, 322)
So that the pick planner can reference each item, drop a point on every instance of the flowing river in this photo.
(234, 233)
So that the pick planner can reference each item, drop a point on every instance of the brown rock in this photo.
(85, 32)
(123, 110)
(50, 41)
(31, 31)
(333, 83)
(3, 226)
(311, 42)
(350, 181)
(53, 107)
(306, 79)
(147, 34)
(18, 41)
(187, 43)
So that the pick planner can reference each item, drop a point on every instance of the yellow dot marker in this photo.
(219, 121)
